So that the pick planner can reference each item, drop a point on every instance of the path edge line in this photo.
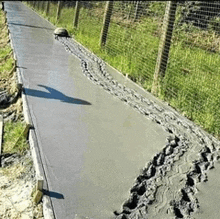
(48, 212)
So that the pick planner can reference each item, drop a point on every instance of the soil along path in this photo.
(108, 150)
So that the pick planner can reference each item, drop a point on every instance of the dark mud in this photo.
(7, 99)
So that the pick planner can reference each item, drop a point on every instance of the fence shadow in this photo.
(11, 23)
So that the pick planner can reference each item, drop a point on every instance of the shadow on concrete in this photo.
(30, 26)
(21, 67)
(53, 194)
(54, 94)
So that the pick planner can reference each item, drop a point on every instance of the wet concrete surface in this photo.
(209, 195)
(93, 145)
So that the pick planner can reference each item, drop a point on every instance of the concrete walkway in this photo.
(93, 145)
(96, 130)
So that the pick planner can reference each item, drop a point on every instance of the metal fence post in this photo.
(106, 22)
(164, 47)
(38, 5)
(76, 17)
(59, 7)
(42, 5)
(47, 8)
(137, 11)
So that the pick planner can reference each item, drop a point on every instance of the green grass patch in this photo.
(12, 132)
(6, 64)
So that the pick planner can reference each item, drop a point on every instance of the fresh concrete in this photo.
(92, 145)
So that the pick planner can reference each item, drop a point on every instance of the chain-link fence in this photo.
(171, 48)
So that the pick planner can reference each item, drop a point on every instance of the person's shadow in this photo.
(54, 94)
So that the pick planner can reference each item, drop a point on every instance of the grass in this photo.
(191, 83)
(12, 130)
(6, 60)
(192, 80)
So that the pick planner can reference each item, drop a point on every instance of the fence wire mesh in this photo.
(142, 43)
(191, 82)
(133, 39)
(90, 24)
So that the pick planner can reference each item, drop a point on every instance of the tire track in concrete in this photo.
(188, 148)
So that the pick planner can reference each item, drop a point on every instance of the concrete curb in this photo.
(40, 175)
(37, 161)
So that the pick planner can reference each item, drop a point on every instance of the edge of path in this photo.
(41, 179)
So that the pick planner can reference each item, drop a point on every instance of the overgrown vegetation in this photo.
(6, 60)
(13, 141)
(191, 83)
